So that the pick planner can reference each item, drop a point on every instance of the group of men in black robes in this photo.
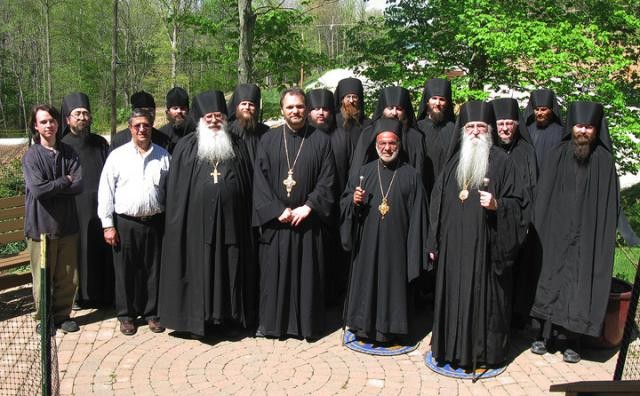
(253, 214)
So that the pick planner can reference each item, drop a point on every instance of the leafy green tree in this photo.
(581, 50)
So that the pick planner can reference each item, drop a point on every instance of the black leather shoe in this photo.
(538, 347)
(570, 356)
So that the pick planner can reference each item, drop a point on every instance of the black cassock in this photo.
(476, 250)
(387, 253)
(95, 262)
(575, 217)
(526, 270)
(292, 259)
(251, 139)
(544, 139)
(353, 128)
(174, 134)
(437, 138)
(209, 268)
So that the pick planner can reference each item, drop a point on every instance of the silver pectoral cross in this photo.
(289, 183)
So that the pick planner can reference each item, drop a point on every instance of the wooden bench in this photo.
(12, 230)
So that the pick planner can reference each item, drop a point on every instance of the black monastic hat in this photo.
(472, 111)
(592, 113)
(320, 98)
(546, 98)
(70, 102)
(436, 87)
(348, 86)
(387, 125)
(141, 100)
(73, 101)
(395, 96)
(508, 109)
(250, 92)
(177, 97)
(208, 102)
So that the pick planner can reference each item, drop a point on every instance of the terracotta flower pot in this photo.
(616, 316)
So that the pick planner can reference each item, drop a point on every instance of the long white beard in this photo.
(214, 146)
(474, 161)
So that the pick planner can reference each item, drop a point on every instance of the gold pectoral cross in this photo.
(289, 183)
(215, 175)
(383, 208)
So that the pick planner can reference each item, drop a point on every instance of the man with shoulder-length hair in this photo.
(293, 196)
(53, 178)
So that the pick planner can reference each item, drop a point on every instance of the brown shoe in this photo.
(154, 326)
(127, 327)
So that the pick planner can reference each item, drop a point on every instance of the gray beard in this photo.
(474, 161)
(214, 146)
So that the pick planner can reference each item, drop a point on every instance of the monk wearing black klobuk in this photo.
(475, 233)
(95, 262)
(513, 137)
(436, 121)
(577, 204)
(179, 123)
(394, 103)
(544, 122)
(244, 116)
(384, 223)
(349, 101)
(208, 271)
(293, 197)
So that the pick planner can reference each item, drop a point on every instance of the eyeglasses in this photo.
(141, 126)
(80, 114)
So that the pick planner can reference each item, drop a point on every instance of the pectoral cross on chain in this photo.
(289, 183)
(215, 175)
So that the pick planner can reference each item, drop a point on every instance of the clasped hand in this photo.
(295, 216)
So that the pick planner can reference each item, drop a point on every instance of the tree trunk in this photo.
(114, 67)
(174, 52)
(245, 48)
(47, 27)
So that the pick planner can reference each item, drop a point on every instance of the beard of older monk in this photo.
(474, 159)
(583, 136)
(350, 111)
(214, 145)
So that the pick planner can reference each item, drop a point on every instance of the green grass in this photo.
(624, 266)
(630, 201)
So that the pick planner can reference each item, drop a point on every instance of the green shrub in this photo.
(626, 260)
(11, 179)
(630, 201)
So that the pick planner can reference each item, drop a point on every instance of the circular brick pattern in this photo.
(99, 360)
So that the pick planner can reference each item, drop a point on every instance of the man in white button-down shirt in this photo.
(131, 202)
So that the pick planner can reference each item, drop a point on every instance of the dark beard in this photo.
(248, 124)
(350, 112)
(581, 150)
(436, 117)
(323, 127)
(176, 122)
(81, 131)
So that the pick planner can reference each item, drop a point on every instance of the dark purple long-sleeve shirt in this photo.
(49, 203)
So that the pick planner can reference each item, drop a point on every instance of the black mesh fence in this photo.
(21, 361)
(628, 365)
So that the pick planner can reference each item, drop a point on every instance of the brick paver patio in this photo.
(99, 360)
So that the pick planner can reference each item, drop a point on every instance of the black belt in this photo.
(144, 219)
